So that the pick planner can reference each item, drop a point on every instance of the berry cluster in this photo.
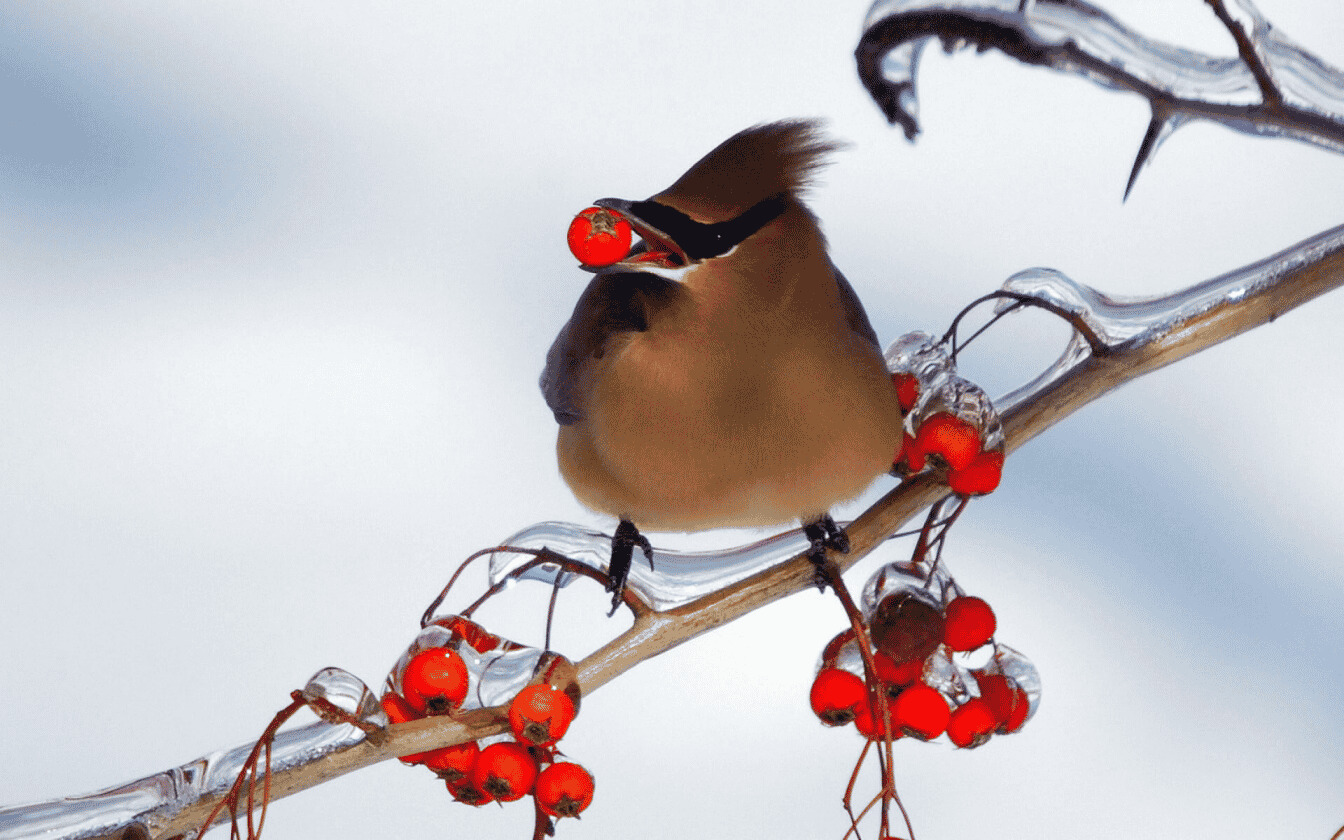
(434, 678)
(914, 635)
(950, 424)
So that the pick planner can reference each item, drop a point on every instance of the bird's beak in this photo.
(657, 248)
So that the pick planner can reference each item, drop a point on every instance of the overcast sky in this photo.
(276, 283)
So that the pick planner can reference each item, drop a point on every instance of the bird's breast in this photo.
(699, 423)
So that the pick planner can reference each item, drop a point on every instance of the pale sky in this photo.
(276, 283)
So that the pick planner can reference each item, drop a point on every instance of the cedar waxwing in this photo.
(724, 372)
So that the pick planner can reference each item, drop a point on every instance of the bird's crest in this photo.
(752, 165)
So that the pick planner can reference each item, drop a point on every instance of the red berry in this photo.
(836, 695)
(464, 791)
(907, 389)
(906, 627)
(540, 714)
(909, 452)
(920, 711)
(598, 237)
(399, 711)
(474, 634)
(869, 727)
(1007, 700)
(949, 437)
(979, 477)
(970, 623)
(452, 763)
(505, 770)
(564, 789)
(971, 723)
(435, 681)
(891, 673)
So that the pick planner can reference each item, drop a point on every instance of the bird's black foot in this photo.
(622, 555)
(823, 534)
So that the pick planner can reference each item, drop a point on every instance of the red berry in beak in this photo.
(599, 237)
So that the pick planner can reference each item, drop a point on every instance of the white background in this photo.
(276, 283)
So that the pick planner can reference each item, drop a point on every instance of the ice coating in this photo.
(1075, 37)
(1012, 664)
(677, 577)
(142, 807)
(346, 692)
(904, 576)
(967, 401)
(920, 354)
(1123, 322)
(952, 679)
(940, 388)
(497, 668)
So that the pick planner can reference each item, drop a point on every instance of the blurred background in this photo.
(276, 284)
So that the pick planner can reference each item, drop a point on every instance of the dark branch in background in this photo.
(1272, 87)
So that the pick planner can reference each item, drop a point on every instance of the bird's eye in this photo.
(599, 237)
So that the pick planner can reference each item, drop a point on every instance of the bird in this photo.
(723, 373)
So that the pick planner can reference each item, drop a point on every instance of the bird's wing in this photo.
(614, 302)
(854, 314)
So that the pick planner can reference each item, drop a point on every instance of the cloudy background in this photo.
(276, 282)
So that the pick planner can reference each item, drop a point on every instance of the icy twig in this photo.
(1272, 87)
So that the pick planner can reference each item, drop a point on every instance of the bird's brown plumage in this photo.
(750, 393)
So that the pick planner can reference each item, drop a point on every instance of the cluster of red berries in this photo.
(436, 681)
(913, 636)
(950, 423)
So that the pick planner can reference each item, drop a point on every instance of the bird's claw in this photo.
(823, 534)
(623, 544)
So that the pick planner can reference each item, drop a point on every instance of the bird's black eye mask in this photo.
(697, 240)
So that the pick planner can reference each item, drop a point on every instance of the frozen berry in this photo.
(907, 389)
(1008, 702)
(399, 711)
(971, 723)
(836, 695)
(950, 438)
(906, 627)
(920, 711)
(866, 721)
(564, 789)
(540, 714)
(505, 770)
(970, 623)
(979, 477)
(435, 681)
(452, 763)
(893, 674)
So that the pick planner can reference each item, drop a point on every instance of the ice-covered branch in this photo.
(1271, 87)
(691, 594)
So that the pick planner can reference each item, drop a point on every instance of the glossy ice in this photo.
(1075, 37)
(676, 578)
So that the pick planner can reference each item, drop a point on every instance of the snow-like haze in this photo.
(276, 283)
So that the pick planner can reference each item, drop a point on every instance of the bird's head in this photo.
(728, 196)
